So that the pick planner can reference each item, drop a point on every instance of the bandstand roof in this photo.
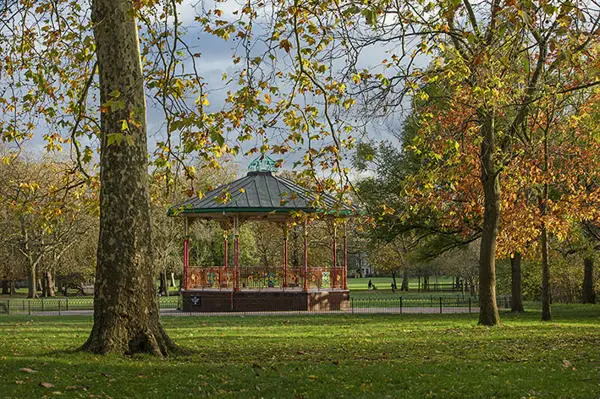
(260, 192)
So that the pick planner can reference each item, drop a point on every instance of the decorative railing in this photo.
(210, 277)
(221, 277)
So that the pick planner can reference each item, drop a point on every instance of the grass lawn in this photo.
(316, 356)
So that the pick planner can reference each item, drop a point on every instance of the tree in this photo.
(587, 243)
(45, 203)
(496, 59)
(126, 313)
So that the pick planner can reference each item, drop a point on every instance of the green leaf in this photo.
(114, 138)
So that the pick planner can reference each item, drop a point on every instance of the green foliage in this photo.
(566, 279)
(316, 356)
(207, 245)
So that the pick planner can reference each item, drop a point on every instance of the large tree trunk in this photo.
(126, 314)
(589, 296)
(490, 180)
(516, 303)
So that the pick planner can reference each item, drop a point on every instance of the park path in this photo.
(380, 310)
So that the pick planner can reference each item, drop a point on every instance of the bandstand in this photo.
(262, 196)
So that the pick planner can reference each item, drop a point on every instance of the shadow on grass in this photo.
(568, 313)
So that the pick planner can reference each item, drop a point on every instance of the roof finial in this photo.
(263, 164)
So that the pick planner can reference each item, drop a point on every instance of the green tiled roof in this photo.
(261, 192)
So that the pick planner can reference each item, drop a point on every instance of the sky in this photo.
(216, 59)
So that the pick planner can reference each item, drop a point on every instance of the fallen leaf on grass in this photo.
(19, 382)
(27, 370)
(75, 388)
(46, 385)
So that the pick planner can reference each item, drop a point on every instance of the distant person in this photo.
(370, 284)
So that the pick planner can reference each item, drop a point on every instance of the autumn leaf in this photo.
(286, 45)
(46, 385)
(27, 370)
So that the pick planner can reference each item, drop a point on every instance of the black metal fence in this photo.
(431, 304)
(71, 305)
(397, 305)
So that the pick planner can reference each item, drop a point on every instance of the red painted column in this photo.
(305, 256)
(186, 257)
(186, 263)
(236, 261)
(345, 272)
(285, 255)
(226, 257)
(333, 269)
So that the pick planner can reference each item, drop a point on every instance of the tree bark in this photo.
(164, 284)
(490, 180)
(295, 252)
(404, 280)
(126, 314)
(546, 306)
(546, 299)
(49, 284)
(516, 282)
(32, 282)
(31, 271)
(589, 296)
(44, 285)
(5, 287)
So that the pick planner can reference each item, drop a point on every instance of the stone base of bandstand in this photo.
(267, 300)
